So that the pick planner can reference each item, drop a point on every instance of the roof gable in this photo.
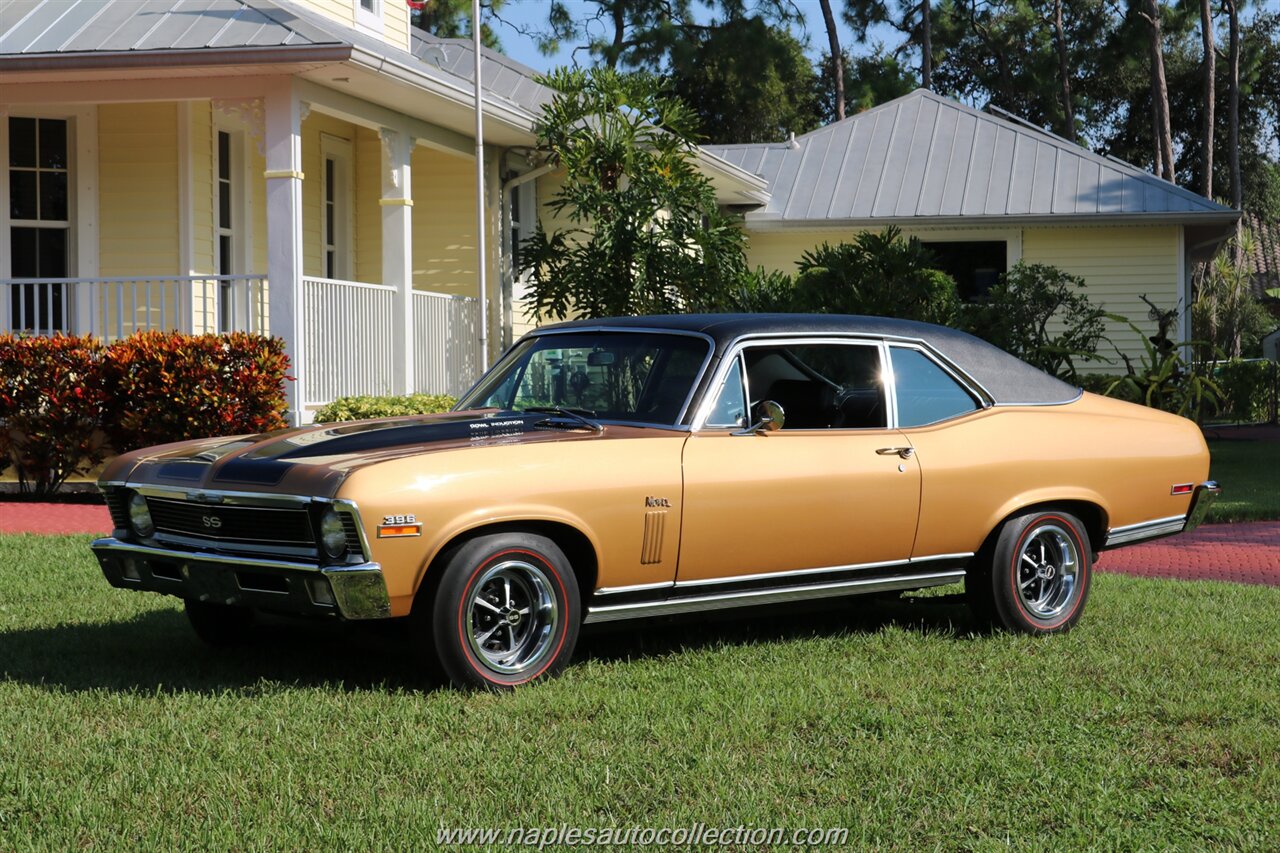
(923, 156)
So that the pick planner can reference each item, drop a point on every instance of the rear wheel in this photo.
(219, 624)
(506, 612)
(1036, 579)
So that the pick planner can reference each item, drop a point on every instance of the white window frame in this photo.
(526, 200)
(341, 242)
(82, 199)
(369, 19)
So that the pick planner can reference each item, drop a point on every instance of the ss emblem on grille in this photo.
(211, 521)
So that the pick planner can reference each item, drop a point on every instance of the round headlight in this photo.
(333, 536)
(140, 516)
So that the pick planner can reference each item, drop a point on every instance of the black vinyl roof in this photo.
(1008, 380)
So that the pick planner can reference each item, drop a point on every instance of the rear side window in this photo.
(926, 393)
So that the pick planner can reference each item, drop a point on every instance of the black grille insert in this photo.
(247, 524)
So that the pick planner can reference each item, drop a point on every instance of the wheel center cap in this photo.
(513, 617)
(1046, 572)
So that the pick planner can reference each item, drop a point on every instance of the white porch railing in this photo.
(446, 345)
(346, 327)
(346, 333)
(113, 308)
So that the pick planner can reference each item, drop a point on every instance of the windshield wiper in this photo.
(579, 415)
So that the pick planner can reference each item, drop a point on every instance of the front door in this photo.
(824, 492)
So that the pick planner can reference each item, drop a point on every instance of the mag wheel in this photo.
(1038, 577)
(506, 612)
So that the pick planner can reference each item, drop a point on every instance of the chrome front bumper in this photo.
(352, 592)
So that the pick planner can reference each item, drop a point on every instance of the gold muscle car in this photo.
(617, 469)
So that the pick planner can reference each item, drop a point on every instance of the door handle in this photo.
(904, 452)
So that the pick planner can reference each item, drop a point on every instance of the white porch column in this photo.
(284, 232)
(397, 252)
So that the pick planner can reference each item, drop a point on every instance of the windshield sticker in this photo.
(494, 428)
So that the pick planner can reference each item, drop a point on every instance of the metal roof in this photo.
(500, 75)
(923, 156)
(29, 27)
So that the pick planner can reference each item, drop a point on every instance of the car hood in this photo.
(315, 460)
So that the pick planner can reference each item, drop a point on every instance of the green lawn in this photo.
(1249, 472)
(1155, 724)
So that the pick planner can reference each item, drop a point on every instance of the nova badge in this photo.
(657, 502)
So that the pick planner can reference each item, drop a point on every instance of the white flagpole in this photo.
(480, 200)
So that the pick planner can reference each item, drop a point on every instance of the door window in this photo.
(926, 393)
(820, 386)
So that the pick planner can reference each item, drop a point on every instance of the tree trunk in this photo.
(837, 59)
(1210, 68)
(1064, 72)
(619, 34)
(1160, 92)
(926, 44)
(1233, 102)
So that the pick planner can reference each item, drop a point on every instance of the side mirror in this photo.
(768, 416)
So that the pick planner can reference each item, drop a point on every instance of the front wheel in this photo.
(506, 612)
(1038, 576)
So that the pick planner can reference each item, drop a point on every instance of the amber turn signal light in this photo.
(389, 531)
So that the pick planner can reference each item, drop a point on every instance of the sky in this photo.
(532, 13)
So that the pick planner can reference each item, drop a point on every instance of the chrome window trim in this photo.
(740, 344)
(773, 595)
(988, 399)
(979, 404)
(718, 384)
(604, 327)
(853, 567)
(1130, 533)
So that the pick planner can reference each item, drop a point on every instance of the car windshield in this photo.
(626, 376)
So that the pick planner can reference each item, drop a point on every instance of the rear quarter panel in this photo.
(978, 470)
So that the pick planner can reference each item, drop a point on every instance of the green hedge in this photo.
(359, 408)
(65, 400)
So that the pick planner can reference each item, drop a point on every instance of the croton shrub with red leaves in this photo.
(61, 396)
(166, 387)
(51, 403)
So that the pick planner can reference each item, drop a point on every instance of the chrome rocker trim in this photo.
(752, 597)
(359, 591)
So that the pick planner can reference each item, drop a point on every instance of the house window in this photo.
(368, 5)
(227, 236)
(39, 221)
(335, 208)
(975, 265)
(524, 219)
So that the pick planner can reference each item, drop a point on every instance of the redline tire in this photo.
(219, 625)
(506, 612)
(1038, 577)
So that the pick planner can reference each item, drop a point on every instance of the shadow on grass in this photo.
(158, 653)
(939, 615)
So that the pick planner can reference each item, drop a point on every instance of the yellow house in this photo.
(984, 190)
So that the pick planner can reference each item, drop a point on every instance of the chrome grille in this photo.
(246, 524)
(115, 499)
(352, 528)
